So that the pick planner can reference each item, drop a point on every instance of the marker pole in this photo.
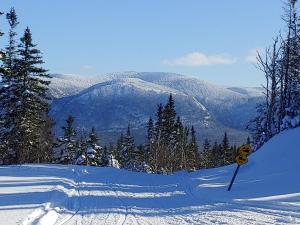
(233, 178)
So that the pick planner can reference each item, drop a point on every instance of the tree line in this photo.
(170, 146)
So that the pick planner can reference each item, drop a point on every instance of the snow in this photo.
(109, 102)
(266, 191)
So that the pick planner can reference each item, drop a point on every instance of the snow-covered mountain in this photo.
(266, 191)
(109, 102)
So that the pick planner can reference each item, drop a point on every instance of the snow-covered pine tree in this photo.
(81, 150)
(169, 133)
(8, 98)
(67, 144)
(94, 150)
(33, 101)
(111, 156)
(130, 156)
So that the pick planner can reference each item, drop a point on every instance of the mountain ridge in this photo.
(111, 101)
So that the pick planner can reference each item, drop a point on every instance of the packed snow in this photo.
(266, 191)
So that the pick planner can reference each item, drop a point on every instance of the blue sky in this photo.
(213, 40)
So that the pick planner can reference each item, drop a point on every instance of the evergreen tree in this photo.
(193, 154)
(94, 150)
(180, 158)
(169, 133)
(105, 157)
(67, 144)
(150, 153)
(127, 154)
(8, 98)
(33, 101)
(206, 161)
(159, 149)
(112, 156)
(81, 147)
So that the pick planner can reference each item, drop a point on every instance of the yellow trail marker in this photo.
(244, 151)
(241, 159)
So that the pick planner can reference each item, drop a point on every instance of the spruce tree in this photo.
(169, 133)
(94, 150)
(129, 155)
(32, 85)
(8, 93)
(180, 158)
(194, 153)
(68, 145)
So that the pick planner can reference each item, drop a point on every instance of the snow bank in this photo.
(271, 173)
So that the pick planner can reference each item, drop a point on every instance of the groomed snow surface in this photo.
(266, 191)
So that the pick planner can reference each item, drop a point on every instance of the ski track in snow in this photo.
(109, 196)
(263, 193)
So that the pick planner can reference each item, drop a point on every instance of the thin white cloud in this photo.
(87, 67)
(251, 57)
(196, 59)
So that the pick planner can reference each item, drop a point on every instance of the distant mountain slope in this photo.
(109, 102)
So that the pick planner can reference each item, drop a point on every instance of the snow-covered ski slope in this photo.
(266, 191)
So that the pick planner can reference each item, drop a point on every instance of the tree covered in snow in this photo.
(111, 157)
(8, 98)
(281, 67)
(94, 151)
(26, 129)
(128, 154)
(67, 147)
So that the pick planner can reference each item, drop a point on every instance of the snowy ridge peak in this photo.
(112, 100)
